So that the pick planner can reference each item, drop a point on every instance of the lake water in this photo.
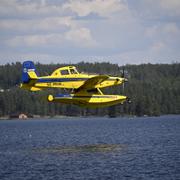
(90, 148)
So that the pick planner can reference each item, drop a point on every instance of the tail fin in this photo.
(28, 71)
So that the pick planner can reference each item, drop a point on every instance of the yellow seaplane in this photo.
(84, 88)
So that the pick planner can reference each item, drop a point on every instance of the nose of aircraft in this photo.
(121, 79)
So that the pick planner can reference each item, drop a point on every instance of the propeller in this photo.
(125, 80)
(123, 87)
(124, 75)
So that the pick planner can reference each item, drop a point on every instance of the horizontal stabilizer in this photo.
(32, 75)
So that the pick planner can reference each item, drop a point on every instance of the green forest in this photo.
(154, 90)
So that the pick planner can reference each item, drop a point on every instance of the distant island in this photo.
(153, 88)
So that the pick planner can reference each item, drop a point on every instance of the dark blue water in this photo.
(91, 148)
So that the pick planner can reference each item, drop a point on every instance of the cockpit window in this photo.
(64, 72)
(73, 71)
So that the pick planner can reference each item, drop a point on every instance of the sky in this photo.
(70, 31)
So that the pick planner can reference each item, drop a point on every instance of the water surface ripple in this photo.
(90, 148)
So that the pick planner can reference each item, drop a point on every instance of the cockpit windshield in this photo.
(73, 71)
(68, 71)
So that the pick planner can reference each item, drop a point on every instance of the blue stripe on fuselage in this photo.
(49, 80)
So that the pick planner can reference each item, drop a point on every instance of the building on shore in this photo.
(20, 116)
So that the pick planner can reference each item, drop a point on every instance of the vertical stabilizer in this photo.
(28, 71)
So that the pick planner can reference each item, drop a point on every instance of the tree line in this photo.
(153, 88)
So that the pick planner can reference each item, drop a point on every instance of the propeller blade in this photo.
(123, 87)
(123, 74)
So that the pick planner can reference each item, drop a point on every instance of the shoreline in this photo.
(37, 117)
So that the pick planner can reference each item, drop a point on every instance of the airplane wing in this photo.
(92, 82)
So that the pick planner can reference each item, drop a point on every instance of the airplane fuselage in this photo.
(69, 82)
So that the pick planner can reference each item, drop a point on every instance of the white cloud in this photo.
(171, 28)
(35, 40)
(76, 37)
(158, 46)
(166, 32)
(17, 8)
(34, 25)
(36, 57)
(170, 6)
(158, 52)
(159, 10)
(101, 7)
(81, 36)
(166, 29)
(125, 30)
